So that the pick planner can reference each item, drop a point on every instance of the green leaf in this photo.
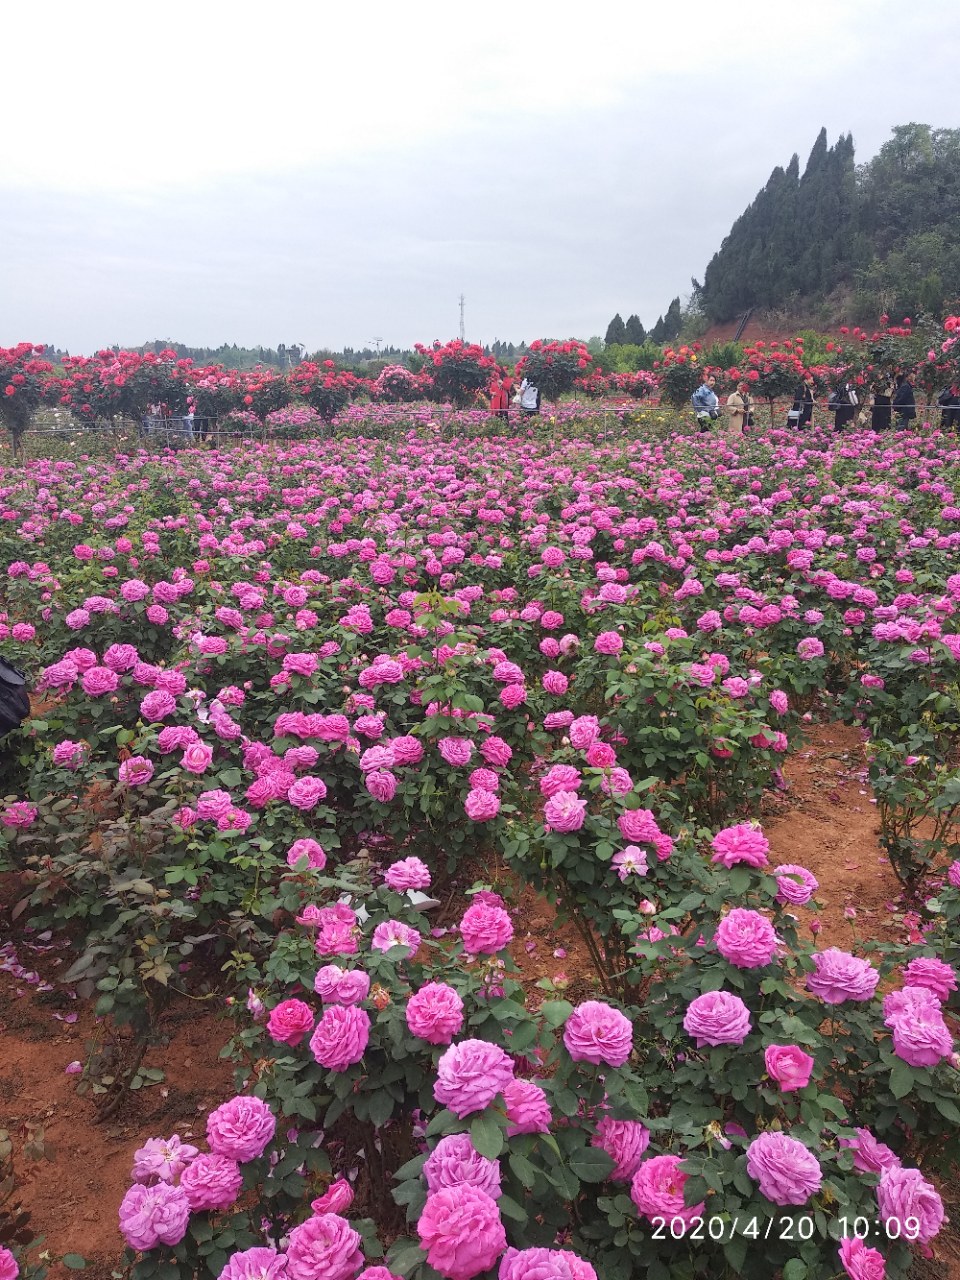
(524, 1170)
(556, 1012)
(795, 1269)
(380, 1108)
(404, 1256)
(901, 1080)
(948, 1110)
(486, 1135)
(74, 1261)
(510, 1209)
(443, 1122)
(591, 1164)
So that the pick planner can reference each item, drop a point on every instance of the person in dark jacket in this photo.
(801, 411)
(844, 403)
(904, 402)
(881, 414)
(949, 402)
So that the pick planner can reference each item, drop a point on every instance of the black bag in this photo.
(14, 699)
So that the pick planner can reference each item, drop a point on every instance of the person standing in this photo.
(738, 409)
(706, 406)
(529, 398)
(844, 403)
(801, 411)
(880, 410)
(499, 398)
(905, 402)
(949, 402)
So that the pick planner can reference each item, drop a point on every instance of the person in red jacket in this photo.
(500, 390)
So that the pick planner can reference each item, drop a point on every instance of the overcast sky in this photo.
(211, 173)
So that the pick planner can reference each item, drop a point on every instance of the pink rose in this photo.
(785, 1171)
(904, 1193)
(495, 751)
(716, 1018)
(638, 826)
(157, 705)
(435, 1013)
(935, 975)
(544, 1264)
(485, 929)
(746, 939)
(840, 976)
(740, 843)
(528, 1110)
(861, 1262)
(212, 805)
(596, 1032)
(461, 1232)
(795, 885)
(337, 1197)
(555, 682)
(920, 1035)
(870, 1155)
(454, 1162)
(609, 643)
(154, 1215)
(289, 1022)
(9, 1268)
(162, 1158)
(394, 933)
(197, 758)
(564, 811)
(255, 1264)
(96, 681)
(583, 732)
(788, 1065)
(308, 848)
(324, 1246)
(624, 1141)
(382, 785)
(470, 1075)
(481, 805)
(657, 1190)
(135, 772)
(307, 792)
(408, 873)
(211, 1182)
(341, 1037)
(341, 986)
(456, 751)
(241, 1128)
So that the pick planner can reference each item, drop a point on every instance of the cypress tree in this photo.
(616, 331)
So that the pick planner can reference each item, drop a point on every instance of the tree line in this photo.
(885, 234)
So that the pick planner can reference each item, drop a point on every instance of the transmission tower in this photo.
(463, 331)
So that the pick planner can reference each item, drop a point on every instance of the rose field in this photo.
(430, 824)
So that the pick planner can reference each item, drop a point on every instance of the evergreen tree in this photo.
(672, 321)
(657, 333)
(635, 332)
(616, 333)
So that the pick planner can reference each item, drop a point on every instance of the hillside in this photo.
(842, 241)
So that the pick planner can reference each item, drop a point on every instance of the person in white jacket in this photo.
(529, 397)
